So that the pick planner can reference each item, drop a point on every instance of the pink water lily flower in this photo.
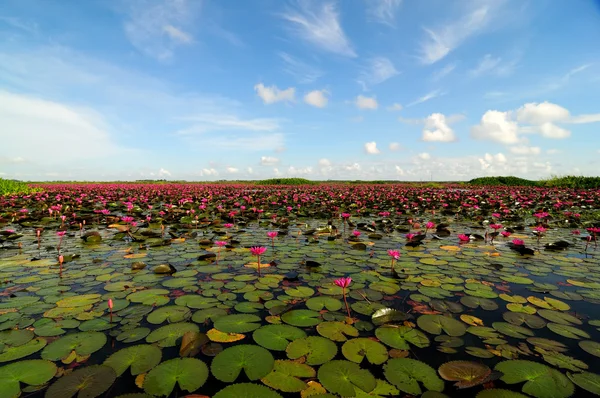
(430, 225)
(395, 254)
(257, 251)
(343, 282)
(540, 229)
(518, 242)
(220, 243)
(463, 238)
(356, 233)
(495, 227)
(506, 234)
(272, 234)
(409, 236)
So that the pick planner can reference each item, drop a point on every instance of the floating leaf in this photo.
(189, 373)
(33, 372)
(237, 323)
(435, 324)
(568, 331)
(388, 315)
(511, 330)
(591, 347)
(533, 321)
(222, 337)
(23, 350)
(559, 317)
(406, 373)
(562, 361)
(541, 380)
(399, 337)
(133, 335)
(471, 320)
(301, 318)
(277, 337)
(587, 381)
(90, 382)
(141, 358)
(321, 302)
(286, 375)
(499, 393)
(547, 344)
(247, 390)
(341, 377)
(256, 362)
(167, 336)
(84, 343)
(317, 350)
(356, 350)
(170, 313)
(336, 331)
(465, 373)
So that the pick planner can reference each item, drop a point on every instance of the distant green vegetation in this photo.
(286, 181)
(579, 182)
(509, 181)
(14, 186)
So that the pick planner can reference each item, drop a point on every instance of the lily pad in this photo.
(247, 390)
(316, 349)
(323, 302)
(23, 350)
(32, 372)
(568, 331)
(237, 323)
(167, 336)
(356, 350)
(141, 358)
(301, 318)
(406, 373)
(189, 373)
(435, 324)
(341, 377)
(336, 331)
(277, 337)
(169, 313)
(286, 375)
(540, 380)
(587, 381)
(84, 343)
(400, 336)
(465, 373)
(256, 362)
(90, 382)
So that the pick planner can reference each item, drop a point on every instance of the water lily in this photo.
(395, 255)
(356, 233)
(506, 234)
(518, 242)
(272, 235)
(219, 244)
(463, 238)
(110, 308)
(344, 283)
(258, 251)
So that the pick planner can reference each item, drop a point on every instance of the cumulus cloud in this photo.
(550, 130)
(232, 170)
(394, 146)
(316, 98)
(324, 162)
(437, 129)
(496, 126)
(164, 173)
(545, 112)
(371, 148)
(490, 160)
(525, 150)
(363, 102)
(268, 160)
(424, 156)
(272, 94)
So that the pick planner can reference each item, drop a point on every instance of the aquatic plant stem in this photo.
(346, 302)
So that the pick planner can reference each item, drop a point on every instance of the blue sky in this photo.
(357, 89)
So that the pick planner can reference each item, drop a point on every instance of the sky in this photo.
(206, 90)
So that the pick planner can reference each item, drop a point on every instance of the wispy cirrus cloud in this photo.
(377, 70)
(383, 11)
(300, 70)
(318, 23)
(156, 28)
(429, 96)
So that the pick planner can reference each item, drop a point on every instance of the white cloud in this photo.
(317, 22)
(301, 71)
(437, 129)
(164, 173)
(157, 27)
(445, 71)
(593, 118)
(496, 126)
(208, 172)
(378, 70)
(394, 146)
(268, 161)
(177, 34)
(429, 96)
(219, 122)
(37, 129)
(324, 162)
(550, 130)
(441, 41)
(272, 94)
(316, 98)
(232, 170)
(371, 148)
(399, 170)
(383, 11)
(544, 112)
(525, 150)
(488, 161)
(424, 156)
(395, 107)
(363, 102)
(302, 171)
(485, 65)
(553, 151)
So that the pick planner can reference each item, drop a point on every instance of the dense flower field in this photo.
(139, 290)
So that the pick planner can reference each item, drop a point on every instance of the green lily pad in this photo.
(435, 324)
(591, 347)
(202, 316)
(388, 315)
(300, 291)
(356, 350)
(511, 330)
(559, 317)
(169, 313)
(499, 393)
(301, 318)
(568, 331)
(237, 323)
(248, 390)
(540, 380)
(79, 301)
(406, 373)
(400, 336)
(23, 350)
(48, 327)
(90, 382)
(15, 337)
(587, 381)
(286, 375)
(323, 302)
(141, 358)
(150, 297)
(32, 372)
(133, 335)
(336, 331)
(189, 373)
(533, 321)
(167, 336)
(277, 337)
(316, 349)
(83, 343)
(256, 362)
(562, 361)
(475, 302)
(547, 344)
(341, 377)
